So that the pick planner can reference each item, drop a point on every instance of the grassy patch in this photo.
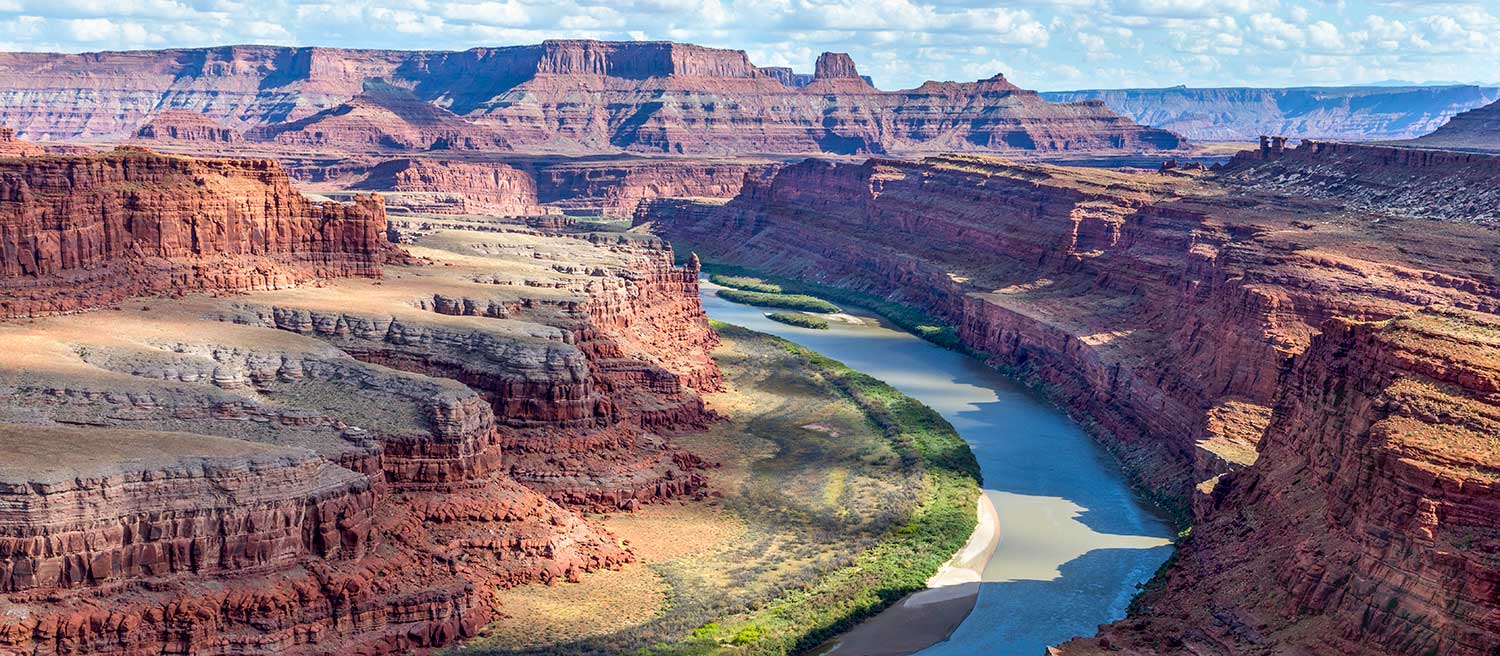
(898, 564)
(745, 283)
(787, 301)
(800, 320)
(839, 496)
(908, 318)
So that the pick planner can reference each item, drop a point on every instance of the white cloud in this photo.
(900, 43)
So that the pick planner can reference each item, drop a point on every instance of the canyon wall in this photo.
(90, 230)
(532, 186)
(1376, 488)
(1166, 308)
(443, 187)
(559, 96)
(1333, 113)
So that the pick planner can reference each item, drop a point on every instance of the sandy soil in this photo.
(928, 617)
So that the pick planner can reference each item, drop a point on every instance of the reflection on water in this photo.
(1073, 544)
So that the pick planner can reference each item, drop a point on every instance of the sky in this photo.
(1039, 44)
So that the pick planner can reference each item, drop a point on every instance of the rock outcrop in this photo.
(1476, 129)
(178, 125)
(1389, 180)
(445, 187)
(83, 231)
(10, 146)
(1327, 113)
(568, 97)
(533, 186)
(1166, 308)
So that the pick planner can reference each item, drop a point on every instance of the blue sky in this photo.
(1042, 44)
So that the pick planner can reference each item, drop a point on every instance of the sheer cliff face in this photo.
(1377, 487)
(79, 232)
(1243, 114)
(563, 96)
(1168, 308)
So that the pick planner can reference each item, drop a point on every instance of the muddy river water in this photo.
(1073, 542)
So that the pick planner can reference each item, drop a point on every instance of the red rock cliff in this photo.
(570, 97)
(1368, 526)
(79, 232)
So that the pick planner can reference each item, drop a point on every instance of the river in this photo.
(1073, 542)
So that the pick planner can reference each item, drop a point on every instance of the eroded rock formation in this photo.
(1167, 308)
(324, 465)
(558, 96)
(443, 187)
(185, 126)
(83, 231)
(1376, 486)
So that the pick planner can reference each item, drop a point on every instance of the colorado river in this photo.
(1073, 541)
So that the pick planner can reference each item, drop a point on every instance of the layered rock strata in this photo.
(89, 230)
(559, 96)
(445, 187)
(1389, 180)
(1166, 308)
(611, 187)
(179, 125)
(1376, 485)
(353, 466)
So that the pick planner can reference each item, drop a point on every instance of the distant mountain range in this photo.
(1365, 113)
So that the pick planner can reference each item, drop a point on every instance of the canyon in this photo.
(1329, 113)
(567, 97)
(357, 443)
(1301, 375)
(320, 350)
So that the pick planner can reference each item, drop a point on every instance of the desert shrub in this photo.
(799, 320)
(785, 301)
(746, 283)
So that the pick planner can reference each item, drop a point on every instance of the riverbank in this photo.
(927, 617)
(1075, 544)
(835, 495)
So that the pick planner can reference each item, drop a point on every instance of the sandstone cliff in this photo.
(1166, 308)
(179, 125)
(1376, 493)
(84, 231)
(425, 185)
(558, 96)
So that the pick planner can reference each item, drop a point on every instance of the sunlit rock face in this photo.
(78, 232)
(559, 96)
